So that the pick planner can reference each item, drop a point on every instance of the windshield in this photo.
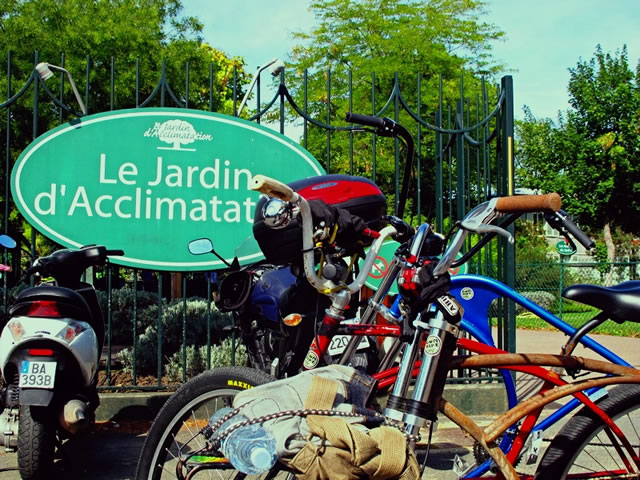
(248, 251)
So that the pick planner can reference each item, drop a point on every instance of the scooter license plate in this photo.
(37, 374)
(339, 343)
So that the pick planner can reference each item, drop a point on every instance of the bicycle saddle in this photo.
(621, 303)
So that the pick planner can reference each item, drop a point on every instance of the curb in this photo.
(130, 406)
(471, 399)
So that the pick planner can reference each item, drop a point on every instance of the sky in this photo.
(543, 38)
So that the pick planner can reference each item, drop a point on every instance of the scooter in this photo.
(49, 356)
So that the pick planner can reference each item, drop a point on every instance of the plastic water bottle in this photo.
(250, 449)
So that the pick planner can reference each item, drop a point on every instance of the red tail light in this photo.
(44, 308)
(41, 352)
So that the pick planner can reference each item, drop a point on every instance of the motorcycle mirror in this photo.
(7, 242)
(200, 246)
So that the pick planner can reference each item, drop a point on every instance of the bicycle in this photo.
(223, 383)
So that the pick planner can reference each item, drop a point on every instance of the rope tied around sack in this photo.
(210, 430)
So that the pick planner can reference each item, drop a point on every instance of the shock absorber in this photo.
(441, 334)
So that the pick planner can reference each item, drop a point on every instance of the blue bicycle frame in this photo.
(476, 294)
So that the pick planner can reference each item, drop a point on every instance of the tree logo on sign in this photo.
(177, 132)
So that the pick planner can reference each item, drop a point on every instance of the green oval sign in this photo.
(150, 180)
(564, 248)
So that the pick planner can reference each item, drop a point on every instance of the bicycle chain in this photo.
(210, 430)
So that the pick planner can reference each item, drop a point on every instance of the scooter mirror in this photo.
(200, 246)
(7, 242)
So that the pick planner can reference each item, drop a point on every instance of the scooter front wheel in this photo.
(36, 442)
(173, 442)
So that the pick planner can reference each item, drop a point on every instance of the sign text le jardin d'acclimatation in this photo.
(150, 180)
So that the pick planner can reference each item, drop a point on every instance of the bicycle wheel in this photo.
(583, 447)
(174, 433)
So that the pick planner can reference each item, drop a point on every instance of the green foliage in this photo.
(591, 155)
(601, 256)
(173, 319)
(546, 300)
(537, 269)
(122, 312)
(196, 359)
(358, 47)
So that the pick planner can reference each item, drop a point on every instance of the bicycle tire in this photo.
(581, 449)
(186, 412)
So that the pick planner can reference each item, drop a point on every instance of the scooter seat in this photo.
(621, 303)
(71, 301)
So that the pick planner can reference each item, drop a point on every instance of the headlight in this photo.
(277, 213)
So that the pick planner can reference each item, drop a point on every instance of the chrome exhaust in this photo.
(74, 416)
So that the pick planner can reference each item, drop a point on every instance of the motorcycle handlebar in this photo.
(273, 188)
(114, 253)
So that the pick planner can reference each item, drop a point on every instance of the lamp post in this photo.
(276, 65)
(45, 71)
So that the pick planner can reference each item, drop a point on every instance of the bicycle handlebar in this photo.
(367, 120)
(529, 203)
(480, 219)
(561, 221)
(578, 234)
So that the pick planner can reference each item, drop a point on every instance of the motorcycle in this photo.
(50, 351)
(265, 301)
(276, 310)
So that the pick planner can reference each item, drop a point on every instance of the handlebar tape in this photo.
(529, 203)
(368, 120)
(272, 187)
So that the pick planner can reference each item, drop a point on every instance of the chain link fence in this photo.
(543, 283)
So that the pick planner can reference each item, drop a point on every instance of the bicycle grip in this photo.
(272, 188)
(578, 234)
(368, 120)
(529, 203)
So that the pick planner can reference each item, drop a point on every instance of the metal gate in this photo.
(465, 155)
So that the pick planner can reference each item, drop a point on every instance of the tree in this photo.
(592, 155)
(354, 39)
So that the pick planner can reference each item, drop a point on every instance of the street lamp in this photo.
(276, 65)
(44, 70)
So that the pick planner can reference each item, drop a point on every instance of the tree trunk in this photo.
(611, 251)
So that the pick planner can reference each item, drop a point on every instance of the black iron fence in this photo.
(465, 150)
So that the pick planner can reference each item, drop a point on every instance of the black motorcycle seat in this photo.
(621, 303)
(61, 295)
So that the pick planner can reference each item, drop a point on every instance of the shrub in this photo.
(172, 326)
(196, 359)
(546, 300)
(122, 312)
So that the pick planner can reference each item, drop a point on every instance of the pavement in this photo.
(110, 452)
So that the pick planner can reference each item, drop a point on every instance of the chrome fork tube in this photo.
(396, 403)
(431, 379)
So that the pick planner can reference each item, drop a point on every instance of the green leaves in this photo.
(591, 156)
